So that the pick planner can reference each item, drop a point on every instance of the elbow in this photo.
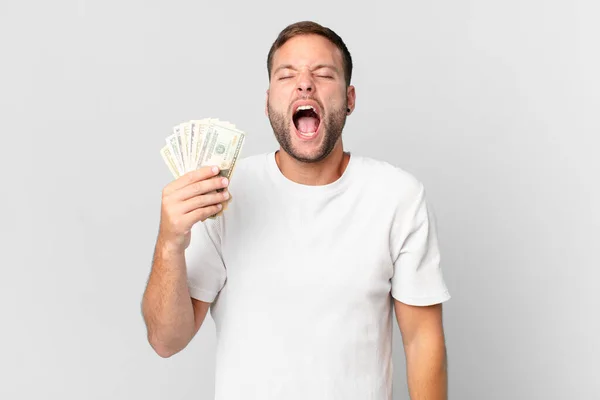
(164, 353)
(163, 350)
(164, 338)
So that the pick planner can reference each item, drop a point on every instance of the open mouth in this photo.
(306, 120)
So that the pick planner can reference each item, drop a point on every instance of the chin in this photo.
(308, 151)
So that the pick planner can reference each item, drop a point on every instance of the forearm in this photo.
(167, 305)
(427, 373)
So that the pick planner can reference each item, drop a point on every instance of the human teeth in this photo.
(305, 108)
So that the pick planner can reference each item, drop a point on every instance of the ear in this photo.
(267, 103)
(351, 93)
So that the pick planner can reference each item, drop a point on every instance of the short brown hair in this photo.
(308, 28)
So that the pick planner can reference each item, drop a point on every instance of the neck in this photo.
(320, 173)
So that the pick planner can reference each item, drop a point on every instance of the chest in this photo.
(334, 249)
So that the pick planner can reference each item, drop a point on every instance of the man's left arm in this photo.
(425, 349)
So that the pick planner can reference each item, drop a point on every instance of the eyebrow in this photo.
(316, 67)
(330, 66)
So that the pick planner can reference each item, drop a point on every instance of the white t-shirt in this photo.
(302, 278)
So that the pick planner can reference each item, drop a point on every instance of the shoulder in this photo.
(249, 173)
(249, 165)
(400, 193)
(393, 180)
(251, 161)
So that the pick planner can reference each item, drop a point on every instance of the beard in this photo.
(331, 126)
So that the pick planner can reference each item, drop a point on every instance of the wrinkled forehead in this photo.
(307, 50)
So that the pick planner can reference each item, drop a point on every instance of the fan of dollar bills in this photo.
(203, 142)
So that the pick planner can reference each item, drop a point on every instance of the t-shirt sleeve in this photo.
(206, 272)
(417, 278)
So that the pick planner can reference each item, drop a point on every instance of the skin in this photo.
(173, 317)
(309, 67)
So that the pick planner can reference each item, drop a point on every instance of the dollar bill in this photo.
(169, 159)
(199, 128)
(174, 143)
(221, 147)
(186, 135)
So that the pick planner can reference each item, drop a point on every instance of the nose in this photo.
(305, 83)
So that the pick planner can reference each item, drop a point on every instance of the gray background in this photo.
(492, 104)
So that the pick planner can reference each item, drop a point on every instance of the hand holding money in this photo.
(190, 198)
(205, 142)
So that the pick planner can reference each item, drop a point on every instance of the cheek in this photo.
(336, 98)
(278, 101)
(334, 103)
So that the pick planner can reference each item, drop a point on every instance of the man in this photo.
(316, 248)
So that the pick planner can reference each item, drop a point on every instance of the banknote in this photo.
(186, 136)
(174, 144)
(169, 159)
(203, 142)
(222, 146)
(198, 130)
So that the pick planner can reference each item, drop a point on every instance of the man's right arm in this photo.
(171, 315)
